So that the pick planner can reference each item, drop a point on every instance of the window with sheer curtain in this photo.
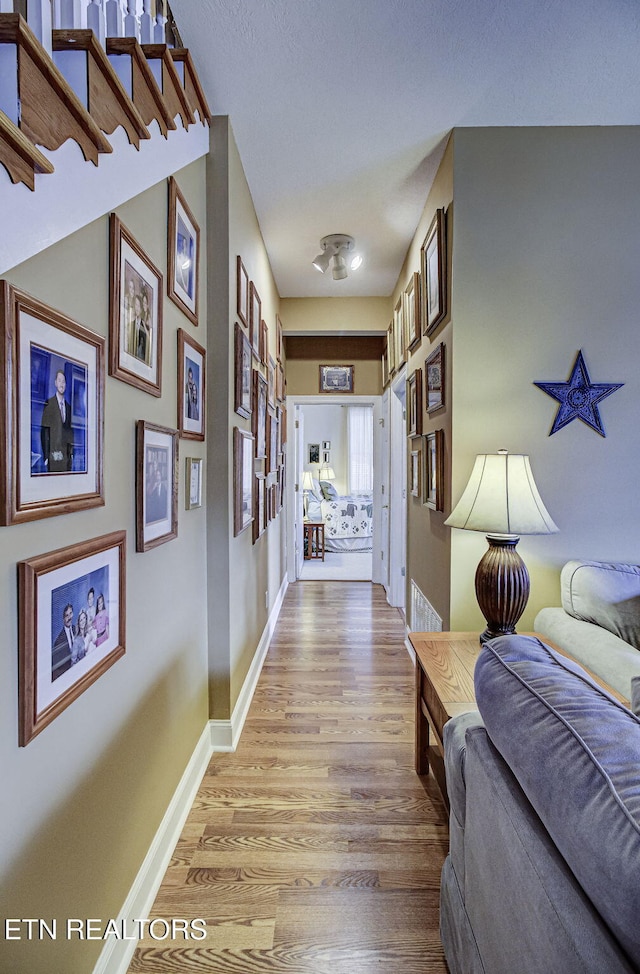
(360, 446)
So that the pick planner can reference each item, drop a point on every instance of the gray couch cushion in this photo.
(576, 753)
(607, 594)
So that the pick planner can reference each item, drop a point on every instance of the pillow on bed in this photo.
(316, 490)
(328, 490)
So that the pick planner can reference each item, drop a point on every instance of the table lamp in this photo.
(501, 499)
(326, 473)
(307, 486)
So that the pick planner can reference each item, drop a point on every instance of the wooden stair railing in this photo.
(127, 57)
(19, 156)
(190, 82)
(165, 73)
(77, 54)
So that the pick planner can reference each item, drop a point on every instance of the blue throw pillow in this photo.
(328, 490)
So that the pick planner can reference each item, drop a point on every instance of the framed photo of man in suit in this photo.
(156, 485)
(72, 625)
(135, 313)
(191, 387)
(51, 414)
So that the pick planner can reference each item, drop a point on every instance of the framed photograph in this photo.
(391, 356)
(398, 333)
(272, 441)
(385, 368)
(255, 312)
(279, 343)
(183, 254)
(156, 485)
(193, 483)
(264, 342)
(242, 292)
(314, 452)
(259, 506)
(135, 313)
(191, 387)
(271, 381)
(336, 378)
(280, 383)
(433, 259)
(414, 403)
(434, 372)
(243, 364)
(259, 414)
(434, 470)
(51, 413)
(415, 472)
(326, 456)
(72, 624)
(242, 480)
(411, 312)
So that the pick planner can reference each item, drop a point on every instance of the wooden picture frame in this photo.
(279, 341)
(242, 292)
(192, 369)
(135, 312)
(435, 378)
(242, 480)
(391, 356)
(414, 403)
(280, 383)
(192, 483)
(156, 485)
(411, 312)
(414, 472)
(255, 317)
(272, 441)
(259, 414)
(398, 334)
(337, 379)
(242, 403)
(434, 470)
(183, 254)
(72, 626)
(271, 381)
(264, 342)
(385, 368)
(433, 262)
(51, 411)
(259, 505)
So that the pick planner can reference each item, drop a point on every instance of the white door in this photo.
(381, 476)
(295, 515)
(397, 493)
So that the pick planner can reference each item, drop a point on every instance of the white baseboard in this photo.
(217, 735)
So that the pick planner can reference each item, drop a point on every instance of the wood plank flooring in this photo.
(314, 848)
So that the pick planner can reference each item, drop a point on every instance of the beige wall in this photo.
(82, 801)
(335, 315)
(546, 237)
(305, 354)
(428, 540)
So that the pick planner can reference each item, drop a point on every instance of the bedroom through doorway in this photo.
(337, 479)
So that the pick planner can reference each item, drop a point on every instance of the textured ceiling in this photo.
(340, 108)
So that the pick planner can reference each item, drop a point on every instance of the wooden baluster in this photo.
(96, 20)
(146, 23)
(40, 21)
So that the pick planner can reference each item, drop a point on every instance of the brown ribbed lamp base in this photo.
(502, 586)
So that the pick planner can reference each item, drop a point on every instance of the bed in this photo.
(347, 521)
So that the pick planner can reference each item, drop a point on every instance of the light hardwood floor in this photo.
(315, 848)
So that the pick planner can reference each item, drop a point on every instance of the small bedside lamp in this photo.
(501, 499)
(326, 473)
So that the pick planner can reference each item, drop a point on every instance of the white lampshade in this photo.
(307, 480)
(326, 473)
(502, 498)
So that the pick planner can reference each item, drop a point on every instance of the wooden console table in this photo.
(314, 539)
(445, 662)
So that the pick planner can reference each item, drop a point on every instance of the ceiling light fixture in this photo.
(336, 247)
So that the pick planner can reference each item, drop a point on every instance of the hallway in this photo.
(314, 848)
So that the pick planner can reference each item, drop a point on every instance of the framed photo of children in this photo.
(135, 313)
(51, 411)
(156, 485)
(72, 623)
(191, 387)
(183, 254)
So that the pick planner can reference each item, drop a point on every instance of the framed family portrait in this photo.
(242, 480)
(156, 485)
(242, 292)
(255, 312)
(259, 414)
(243, 366)
(191, 387)
(414, 403)
(51, 411)
(336, 378)
(434, 371)
(135, 313)
(183, 254)
(433, 257)
(72, 624)
(193, 483)
(434, 470)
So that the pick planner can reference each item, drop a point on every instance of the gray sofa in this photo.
(599, 620)
(543, 871)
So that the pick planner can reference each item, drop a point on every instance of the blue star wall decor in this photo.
(578, 397)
